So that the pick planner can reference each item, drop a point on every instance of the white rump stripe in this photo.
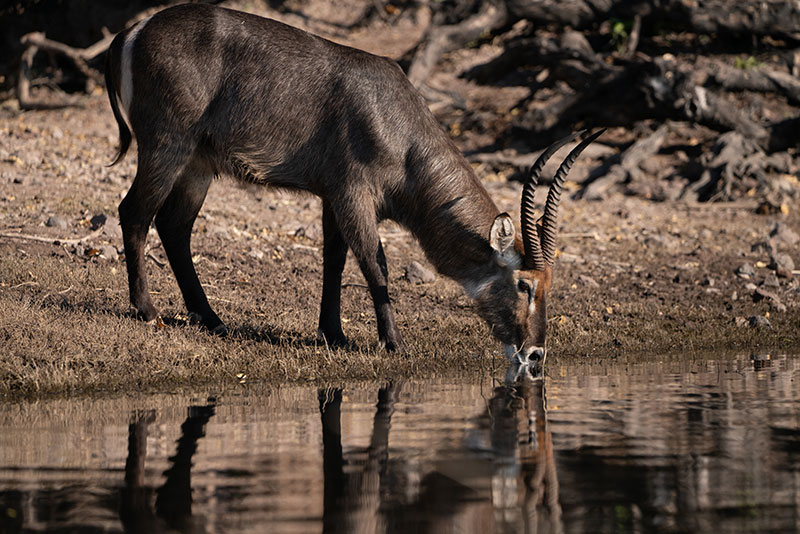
(126, 87)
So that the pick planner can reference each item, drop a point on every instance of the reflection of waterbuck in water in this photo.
(510, 483)
(211, 91)
(525, 482)
(173, 505)
(352, 498)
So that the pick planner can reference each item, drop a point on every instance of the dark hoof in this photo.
(220, 330)
(146, 314)
(215, 326)
(393, 345)
(336, 339)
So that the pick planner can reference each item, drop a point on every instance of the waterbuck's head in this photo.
(514, 300)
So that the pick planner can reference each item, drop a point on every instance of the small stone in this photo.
(782, 263)
(746, 270)
(774, 302)
(109, 252)
(750, 286)
(757, 321)
(257, 254)
(55, 221)
(217, 230)
(784, 235)
(564, 257)
(734, 296)
(740, 321)
(587, 281)
(112, 228)
(708, 281)
(771, 281)
(761, 294)
(98, 221)
(417, 274)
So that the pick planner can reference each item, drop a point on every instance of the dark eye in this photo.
(523, 286)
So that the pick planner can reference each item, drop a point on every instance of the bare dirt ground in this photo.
(633, 275)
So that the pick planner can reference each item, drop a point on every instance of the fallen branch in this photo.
(623, 168)
(157, 261)
(80, 57)
(443, 39)
(33, 42)
(54, 241)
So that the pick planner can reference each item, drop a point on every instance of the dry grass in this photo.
(65, 327)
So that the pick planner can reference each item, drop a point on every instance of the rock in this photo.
(784, 235)
(750, 286)
(740, 321)
(98, 221)
(570, 258)
(109, 252)
(112, 228)
(55, 221)
(771, 281)
(417, 274)
(734, 296)
(255, 253)
(782, 264)
(762, 294)
(218, 230)
(757, 321)
(746, 271)
(587, 281)
(708, 281)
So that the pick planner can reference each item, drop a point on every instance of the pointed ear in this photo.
(501, 236)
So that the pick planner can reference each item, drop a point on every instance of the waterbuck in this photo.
(211, 91)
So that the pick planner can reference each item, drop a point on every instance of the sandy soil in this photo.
(633, 276)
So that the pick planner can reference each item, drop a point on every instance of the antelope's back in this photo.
(268, 102)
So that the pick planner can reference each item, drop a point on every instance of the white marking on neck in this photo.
(474, 288)
(126, 87)
(510, 259)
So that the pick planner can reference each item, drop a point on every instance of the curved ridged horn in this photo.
(530, 236)
(549, 228)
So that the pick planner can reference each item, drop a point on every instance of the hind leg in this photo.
(334, 255)
(155, 176)
(174, 223)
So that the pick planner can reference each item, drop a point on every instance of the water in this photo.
(686, 445)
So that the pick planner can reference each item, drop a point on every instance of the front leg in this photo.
(373, 266)
(360, 230)
(377, 275)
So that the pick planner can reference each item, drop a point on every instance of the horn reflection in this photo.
(525, 480)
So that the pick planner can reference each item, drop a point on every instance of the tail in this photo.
(113, 65)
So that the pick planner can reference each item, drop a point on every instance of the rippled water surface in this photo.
(686, 444)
